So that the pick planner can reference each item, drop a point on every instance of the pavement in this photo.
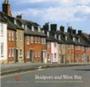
(76, 76)
(22, 67)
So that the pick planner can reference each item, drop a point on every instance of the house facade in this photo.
(3, 42)
(23, 41)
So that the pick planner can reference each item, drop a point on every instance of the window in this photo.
(2, 49)
(32, 39)
(38, 39)
(20, 52)
(13, 52)
(1, 30)
(15, 21)
(9, 36)
(9, 52)
(21, 35)
(55, 36)
(65, 37)
(27, 40)
(48, 34)
(54, 55)
(41, 40)
(44, 41)
(39, 30)
(54, 44)
(32, 28)
(59, 37)
(39, 55)
(27, 55)
(22, 25)
(74, 39)
(26, 27)
(36, 54)
(12, 36)
(78, 39)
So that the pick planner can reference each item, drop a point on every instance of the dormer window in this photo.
(42, 31)
(22, 25)
(79, 40)
(15, 21)
(32, 28)
(39, 30)
(26, 27)
(55, 36)
(59, 37)
(48, 34)
(74, 39)
(66, 38)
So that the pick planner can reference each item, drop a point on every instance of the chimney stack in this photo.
(74, 31)
(19, 16)
(53, 27)
(79, 32)
(6, 8)
(62, 28)
(69, 30)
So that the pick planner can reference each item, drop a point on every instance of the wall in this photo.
(3, 39)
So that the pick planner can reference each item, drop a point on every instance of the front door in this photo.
(31, 55)
(16, 56)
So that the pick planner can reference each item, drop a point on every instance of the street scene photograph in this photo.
(44, 43)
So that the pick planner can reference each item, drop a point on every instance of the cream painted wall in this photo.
(3, 39)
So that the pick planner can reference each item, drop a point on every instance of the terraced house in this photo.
(23, 41)
(66, 47)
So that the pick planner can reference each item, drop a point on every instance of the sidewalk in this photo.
(21, 67)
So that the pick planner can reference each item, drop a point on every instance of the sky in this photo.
(75, 13)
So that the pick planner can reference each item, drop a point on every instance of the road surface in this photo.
(76, 76)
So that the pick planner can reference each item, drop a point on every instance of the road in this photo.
(76, 76)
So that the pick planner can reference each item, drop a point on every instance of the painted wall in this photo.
(20, 45)
(54, 52)
(3, 42)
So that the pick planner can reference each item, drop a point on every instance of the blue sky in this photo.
(74, 13)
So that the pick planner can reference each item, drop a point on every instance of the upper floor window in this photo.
(44, 41)
(38, 39)
(74, 39)
(1, 30)
(39, 30)
(32, 39)
(21, 36)
(54, 55)
(48, 34)
(55, 44)
(13, 36)
(59, 37)
(26, 27)
(23, 26)
(27, 40)
(15, 22)
(66, 37)
(2, 49)
(32, 28)
(79, 40)
(9, 36)
(55, 36)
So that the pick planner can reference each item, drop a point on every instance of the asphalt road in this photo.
(76, 76)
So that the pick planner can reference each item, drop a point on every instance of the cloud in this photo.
(56, 1)
(58, 13)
